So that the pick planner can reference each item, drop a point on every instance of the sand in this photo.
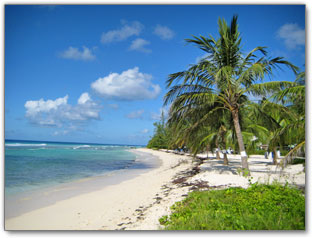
(107, 208)
(262, 171)
(138, 203)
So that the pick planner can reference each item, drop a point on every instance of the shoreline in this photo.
(20, 203)
(138, 203)
(103, 209)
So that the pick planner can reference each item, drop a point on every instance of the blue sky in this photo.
(97, 73)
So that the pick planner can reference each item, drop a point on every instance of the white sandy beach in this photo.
(138, 203)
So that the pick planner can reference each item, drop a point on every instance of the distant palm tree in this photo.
(272, 118)
(294, 99)
(224, 77)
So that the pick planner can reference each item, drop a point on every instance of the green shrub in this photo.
(255, 152)
(260, 207)
(298, 161)
(284, 152)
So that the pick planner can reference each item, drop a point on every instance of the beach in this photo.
(138, 203)
(107, 208)
(116, 119)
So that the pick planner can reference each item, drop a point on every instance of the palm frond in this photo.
(267, 88)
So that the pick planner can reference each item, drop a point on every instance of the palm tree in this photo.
(280, 120)
(224, 77)
(294, 99)
(195, 128)
(272, 118)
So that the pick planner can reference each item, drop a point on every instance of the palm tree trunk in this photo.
(275, 156)
(225, 159)
(217, 150)
(218, 154)
(207, 148)
(240, 141)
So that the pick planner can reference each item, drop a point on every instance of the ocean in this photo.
(35, 166)
(40, 173)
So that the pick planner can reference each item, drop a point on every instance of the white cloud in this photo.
(144, 131)
(163, 32)
(129, 85)
(84, 98)
(157, 116)
(74, 53)
(292, 35)
(58, 112)
(135, 114)
(139, 45)
(34, 107)
(123, 33)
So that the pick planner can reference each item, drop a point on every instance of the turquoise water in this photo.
(31, 165)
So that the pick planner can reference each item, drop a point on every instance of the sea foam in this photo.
(22, 144)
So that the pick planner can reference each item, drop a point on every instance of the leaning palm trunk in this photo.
(275, 156)
(240, 141)
(291, 154)
(225, 159)
(207, 149)
(218, 150)
(218, 154)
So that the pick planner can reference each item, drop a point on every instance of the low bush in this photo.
(298, 161)
(255, 152)
(260, 207)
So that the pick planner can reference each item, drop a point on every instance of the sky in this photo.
(97, 73)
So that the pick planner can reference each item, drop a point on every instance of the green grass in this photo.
(260, 207)
(255, 152)
(298, 161)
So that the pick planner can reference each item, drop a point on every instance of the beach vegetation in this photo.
(259, 207)
(161, 138)
(229, 100)
(223, 79)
